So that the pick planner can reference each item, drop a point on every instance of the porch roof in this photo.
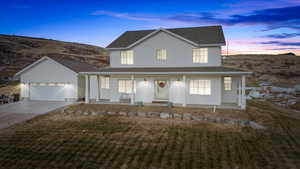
(170, 70)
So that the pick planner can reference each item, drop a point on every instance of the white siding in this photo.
(179, 53)
(81, 87)
(216, 92)
(144, 90)
(232, 95)
(93, 87)
(49, 71)
(176, 93)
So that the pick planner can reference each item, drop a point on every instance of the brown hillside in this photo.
(280, 70)
(17, 51)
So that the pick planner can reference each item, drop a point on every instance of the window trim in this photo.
(125, 58)
(198, 86)
(199, 59)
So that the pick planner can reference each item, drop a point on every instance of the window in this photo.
(201, 87)
(127, 57)
(200, 55)
(227, 83)
(125, 86)
(161, 54)
(104, 82)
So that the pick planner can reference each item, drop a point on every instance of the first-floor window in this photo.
(200, 87)
(227, 83)
(125, 86)
(104, 82)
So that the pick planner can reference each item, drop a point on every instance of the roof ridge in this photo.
(173, 28)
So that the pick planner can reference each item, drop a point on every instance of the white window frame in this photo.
(200, 55)
(200, 87)
(104, 82)
(127, 84)
(227, 83)
(127, 57)
(161, 54)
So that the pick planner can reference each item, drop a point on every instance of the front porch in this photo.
(147, 89)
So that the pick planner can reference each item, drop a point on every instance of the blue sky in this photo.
(250, 26)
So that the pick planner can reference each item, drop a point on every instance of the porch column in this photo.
(243, 96)
(185, 88)
(132, 90)
(239, 92)
(98, 88)
(87, 89)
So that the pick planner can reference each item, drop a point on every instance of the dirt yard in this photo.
(59, 140)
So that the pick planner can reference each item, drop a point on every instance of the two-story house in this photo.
(181, 65)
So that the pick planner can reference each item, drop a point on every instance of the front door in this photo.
(161, 89)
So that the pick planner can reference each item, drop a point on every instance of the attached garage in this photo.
(54, 79)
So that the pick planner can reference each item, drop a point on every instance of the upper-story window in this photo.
(200, 55)
(127, 57)
(161, 54)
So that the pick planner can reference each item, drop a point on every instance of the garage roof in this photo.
(74, 65)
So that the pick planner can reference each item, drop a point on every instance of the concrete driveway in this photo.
(24, 110)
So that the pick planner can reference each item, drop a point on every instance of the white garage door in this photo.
(51, 93)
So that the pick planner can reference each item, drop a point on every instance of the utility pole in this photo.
(227, 47)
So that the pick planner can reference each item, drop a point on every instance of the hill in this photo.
(18, 51)
(279, 70)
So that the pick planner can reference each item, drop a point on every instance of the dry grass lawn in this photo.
(59, 141)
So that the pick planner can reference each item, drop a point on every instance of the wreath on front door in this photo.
(161, 84)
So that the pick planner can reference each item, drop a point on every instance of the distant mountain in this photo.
(289, 53)
(18, 51)
(281, 70)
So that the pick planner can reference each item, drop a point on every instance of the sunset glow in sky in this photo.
(250, 26)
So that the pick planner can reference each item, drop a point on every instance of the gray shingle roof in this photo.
(200, 35)
(216, 69)
(75, 65)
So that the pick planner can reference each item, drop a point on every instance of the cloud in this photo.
(282, 35)
(280, 43)
(271, 18)
(284, 49)
(125, 16)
